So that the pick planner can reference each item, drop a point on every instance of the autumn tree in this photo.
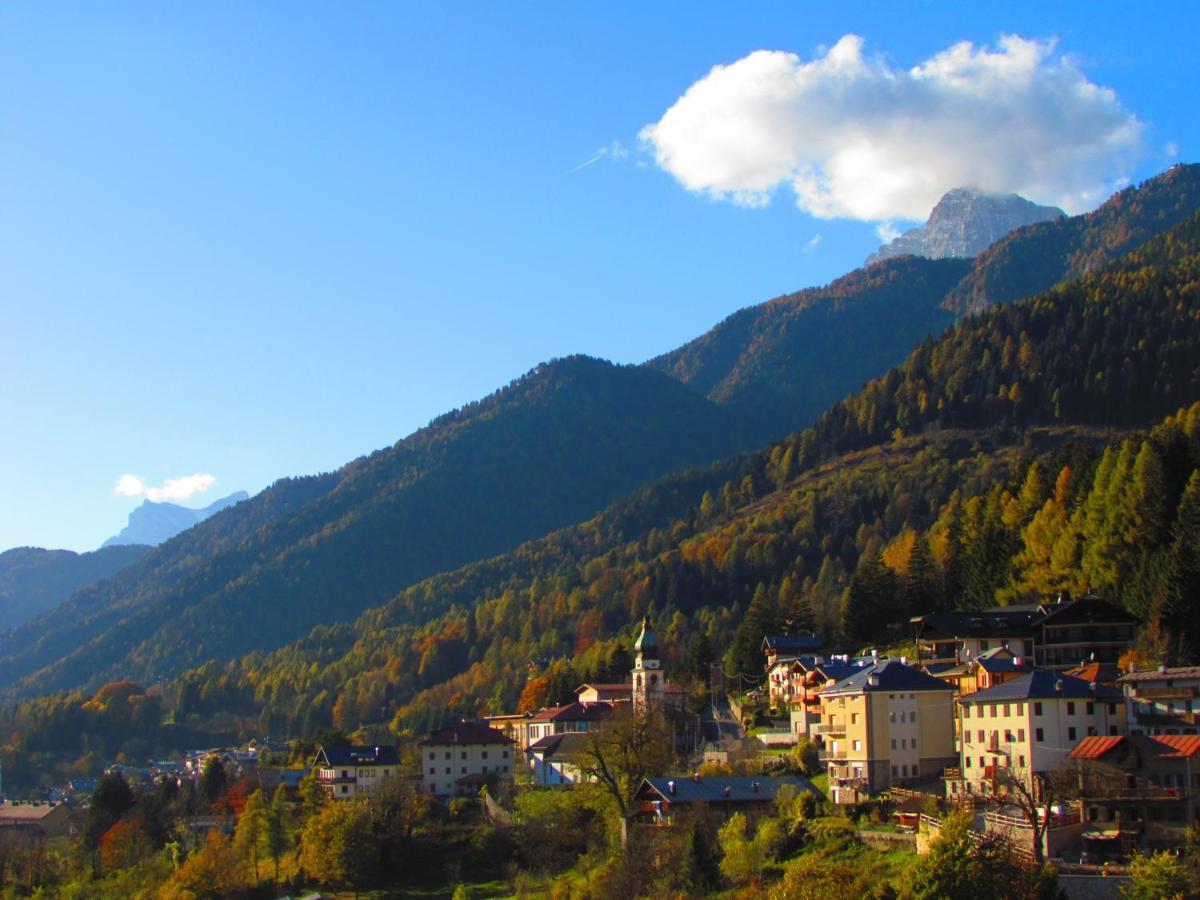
(629, 747)
(337, 846)
(251, 829)
(276, 827)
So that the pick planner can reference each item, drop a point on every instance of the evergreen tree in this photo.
(251, 829)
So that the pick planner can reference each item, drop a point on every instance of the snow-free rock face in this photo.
(153, 523)
(966, 222)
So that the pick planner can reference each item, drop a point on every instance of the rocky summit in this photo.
(966, 222)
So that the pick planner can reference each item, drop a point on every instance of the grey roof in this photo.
(346, 755)
(887, 676)
(1159, 675)
(1017, 621)
(760, 789)
(466, 733)
(1043, 684)
(568, 743)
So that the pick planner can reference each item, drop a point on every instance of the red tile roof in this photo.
(1181, 744)
(1094, 747)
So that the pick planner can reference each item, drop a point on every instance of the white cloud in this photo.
(812, 243)
(856, 137)
(887, 231)
(1171, 149)
(614, 151)
(173, 489)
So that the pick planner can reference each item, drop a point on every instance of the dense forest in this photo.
(1001, 462)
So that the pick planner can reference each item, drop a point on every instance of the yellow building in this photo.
(887, 724)
(1029, 726)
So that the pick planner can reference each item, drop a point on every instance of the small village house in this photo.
(1162, 700)
(347, 772)
(659, 800)
(460, 758)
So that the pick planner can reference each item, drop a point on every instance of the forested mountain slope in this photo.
(798, 354)
(550, 449)
(33, 580)
(995, 463)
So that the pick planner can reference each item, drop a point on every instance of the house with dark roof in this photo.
(459, 758)
(554, 759)
(1162, 700)
(805, 699)
(775, 646)
(1137, 792)
(1055, 635)
(1028, 726)
(660, 799)
(887, 724)
(347, 771)
(36, 822)
(571, 717)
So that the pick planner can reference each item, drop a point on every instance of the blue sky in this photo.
(258, 240)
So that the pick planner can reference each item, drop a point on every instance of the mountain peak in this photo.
(965, 222)
(152, 523)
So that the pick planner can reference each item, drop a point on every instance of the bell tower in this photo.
(647, 671)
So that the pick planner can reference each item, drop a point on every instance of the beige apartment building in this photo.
(1030, 726)
(346, 772)
(887, 724)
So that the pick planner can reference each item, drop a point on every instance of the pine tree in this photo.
(276, 837)
(251, 828)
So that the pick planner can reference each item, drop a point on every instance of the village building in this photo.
(805, 712)
(659, 800)
(346, 772)
(35, 822)
(1054, 635)
(887, 724)
(572, 717)
(990, 668)
(554, 759)
(460, 758)
(1137, 792)
(1162, 700)
(779, 646)
(1026, 727)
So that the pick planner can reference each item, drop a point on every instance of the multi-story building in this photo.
(1136, 792)
(1162, 700)
(346, 772)
(887, 724)
(1028, 726)
(459, 758)
(573, 717)
(805, 700)
(1055, 635)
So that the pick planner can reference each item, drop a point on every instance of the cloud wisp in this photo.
(856, 137)
(614, 151)
(173, 489)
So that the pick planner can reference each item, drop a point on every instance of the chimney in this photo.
(754, 786)
(1092, 686)
(1058, 685)
(696, 777)
(671, 787)
(728, 790)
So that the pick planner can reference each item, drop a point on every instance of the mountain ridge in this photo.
(152, 523)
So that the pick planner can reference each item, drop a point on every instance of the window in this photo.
(1037, 711)
(894, 771)
(1006, 711)
(1038, 735)
(1020, 709)
(464, 755)
(1007, 736)
(913, 717)
(979, 738)
(1070, 708)
(447, 754)
(432, 755)
(504, 755)
(967, 760)
(853, 718)
(892, 716)
(433, 771)
(893, 747)
(1021, 761)
(447, 770)
(857, 746)
(1112, 708)
(1021, 735)
(485, 754)
(982, 763)
(1071, 734)
(1090, 709)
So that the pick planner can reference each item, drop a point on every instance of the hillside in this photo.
(550, 449)
(33, 580)
(798, 354)
(936, 485)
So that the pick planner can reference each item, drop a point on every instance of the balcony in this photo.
(831, 727)
(1176, 692)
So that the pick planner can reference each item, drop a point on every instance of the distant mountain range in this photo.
(555, 447)
(964, 223)
(33, 580)
(152, 523)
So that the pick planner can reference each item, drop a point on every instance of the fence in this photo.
(496, 813)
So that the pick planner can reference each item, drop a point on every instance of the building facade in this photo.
(1162, 700)
(346, 772)
(458, 759)
(885, 725)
